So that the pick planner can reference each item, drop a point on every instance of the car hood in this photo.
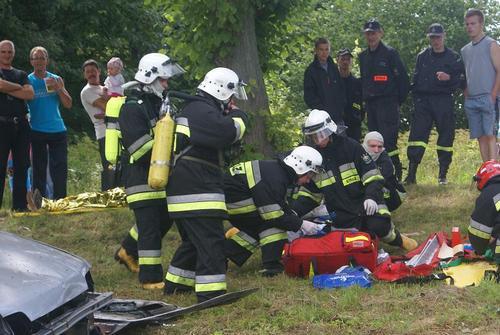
(36, 278)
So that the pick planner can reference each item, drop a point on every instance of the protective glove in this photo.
(310, 228)
(370, 206)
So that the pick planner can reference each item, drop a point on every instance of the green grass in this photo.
(290, 306)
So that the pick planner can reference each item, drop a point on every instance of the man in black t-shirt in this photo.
(14, 127)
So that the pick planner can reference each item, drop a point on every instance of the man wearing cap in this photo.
(438, 73)
(353, 113)
(323, 88)
(385, 87)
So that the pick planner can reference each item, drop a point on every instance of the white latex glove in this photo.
(370, 206)
(310, 228)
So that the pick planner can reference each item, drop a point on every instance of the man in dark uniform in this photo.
(351, 184)
(137, 119)
(484, 228)
(256, 201)
(353, 113)
(323, 88)
(205, 127)
(385, 87)
(438, 73)
(15, 89)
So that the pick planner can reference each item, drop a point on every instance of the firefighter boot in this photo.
(129, 261)
(443, 170)
(408, 244)
(153, 286)
(411, 178)
(398, 167)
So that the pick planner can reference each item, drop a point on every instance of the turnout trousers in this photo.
(255, 233)
(144, 241)
(383, 116)
(428, 109)
(199, 262)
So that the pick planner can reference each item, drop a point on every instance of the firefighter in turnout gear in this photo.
(484, 228)
(438, 73)
(351, 184)
(385, 86)
(141, 249)
(205, 127)
(394, 191)
(256, 194)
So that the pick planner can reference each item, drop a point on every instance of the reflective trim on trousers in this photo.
(391, 236)
(272, 235)
(245, 241)
(417, 144)
(447, 149)
(134, 233)
(211, 283)
(180, 276)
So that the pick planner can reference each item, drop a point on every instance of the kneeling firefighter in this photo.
(484, 228)
(138, 116)
(256, 201)
(351, 184)
(204, 128)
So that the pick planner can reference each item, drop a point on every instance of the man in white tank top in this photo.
(482, 95)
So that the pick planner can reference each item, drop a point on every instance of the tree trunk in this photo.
(244, 60)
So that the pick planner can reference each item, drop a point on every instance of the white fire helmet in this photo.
(319, 126)
(222, 83)
(304, 159)
(156, 65)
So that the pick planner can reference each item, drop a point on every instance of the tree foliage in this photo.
(75, 30)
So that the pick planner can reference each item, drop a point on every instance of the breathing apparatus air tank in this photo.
(159, 168)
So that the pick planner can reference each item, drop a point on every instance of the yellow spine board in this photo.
(162, 151)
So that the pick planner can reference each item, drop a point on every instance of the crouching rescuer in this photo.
(256, 194)
(206, 126)
(484, 228)
(141, 249)
(351, 184)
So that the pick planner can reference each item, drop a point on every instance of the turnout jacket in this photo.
(391, 183)
(428, 63)
(383, 73)
(258, 189)
(325, 90)
(485, 220)
(202, 131)
(350, 177)
(137, 119)
(353, 112)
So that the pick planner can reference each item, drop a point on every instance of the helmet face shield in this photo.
(239, 91)
(318, 136)
(171, 69)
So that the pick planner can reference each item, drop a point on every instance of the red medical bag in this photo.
(319, 255)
